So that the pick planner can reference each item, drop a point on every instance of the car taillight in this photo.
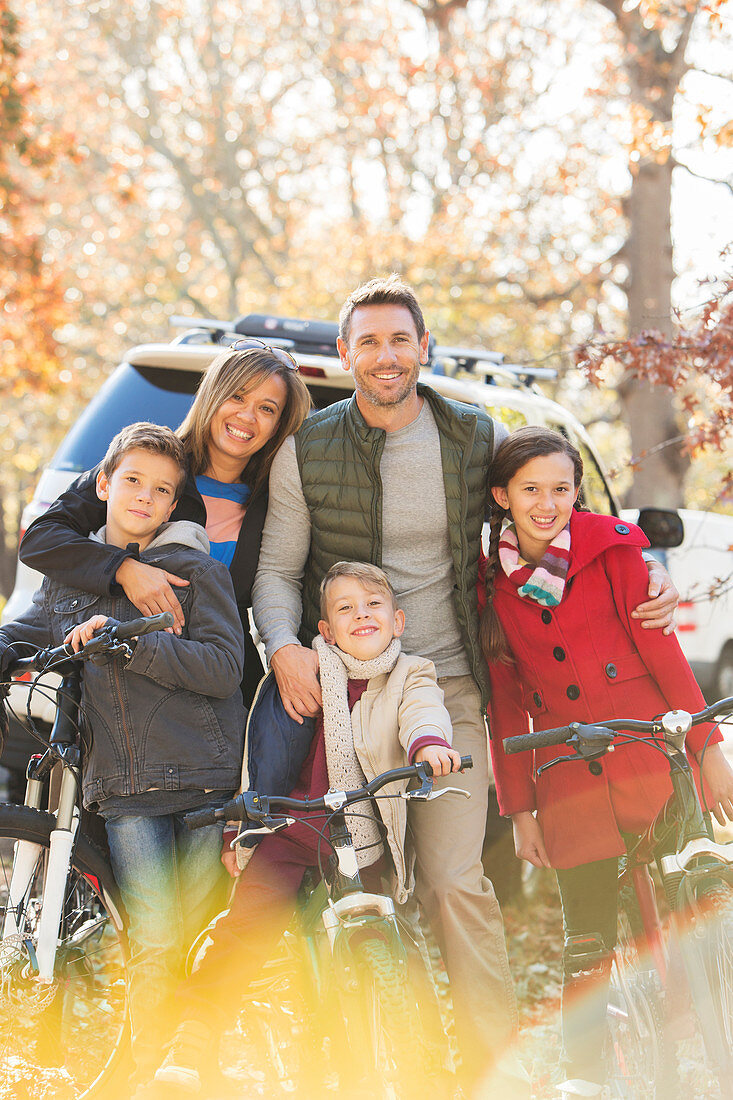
(312, 372)
(686, 617)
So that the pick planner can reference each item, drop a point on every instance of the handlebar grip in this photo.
(145, 625)
(466, 763)
(540, 740)
(208, 815)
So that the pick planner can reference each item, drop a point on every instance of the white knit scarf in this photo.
(344, 770)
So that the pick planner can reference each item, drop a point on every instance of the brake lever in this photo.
(107, 648)
(421, 795)
(269, 825)
(558, 760)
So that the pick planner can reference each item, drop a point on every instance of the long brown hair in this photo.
(513, 453)
(235, 372)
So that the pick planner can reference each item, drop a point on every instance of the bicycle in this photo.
(351, 953)
(645, 1006)
(63, 1017)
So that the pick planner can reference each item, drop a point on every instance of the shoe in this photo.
(579, 1087)
(187, 1052)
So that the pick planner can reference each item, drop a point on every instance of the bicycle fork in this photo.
(61, 841)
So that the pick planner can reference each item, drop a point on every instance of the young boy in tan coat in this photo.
(381, 709)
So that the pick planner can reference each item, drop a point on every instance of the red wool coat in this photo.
(585, 660)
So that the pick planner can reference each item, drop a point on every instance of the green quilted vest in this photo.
(339, 457)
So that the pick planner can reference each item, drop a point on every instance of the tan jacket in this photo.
(394, 711)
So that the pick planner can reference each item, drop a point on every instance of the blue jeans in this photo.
(171, 883)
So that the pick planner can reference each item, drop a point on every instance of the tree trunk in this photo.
(654, 68)
(659, 466)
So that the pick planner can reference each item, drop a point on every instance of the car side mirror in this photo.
(662, 526)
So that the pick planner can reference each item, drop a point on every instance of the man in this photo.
(398, 476)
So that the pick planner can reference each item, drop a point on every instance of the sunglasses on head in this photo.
(252, 344)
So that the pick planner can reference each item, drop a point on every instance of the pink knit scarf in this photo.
(545, 582)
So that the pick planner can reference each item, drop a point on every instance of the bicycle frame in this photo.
(67, 815)
(64, 749)
(683, 822)
(344, 906)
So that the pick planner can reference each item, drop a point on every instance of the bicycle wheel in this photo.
(704, 913)
(270, 1042)
(640, 1058)
(637, 1069)
(60, 1041)
(387, 1041)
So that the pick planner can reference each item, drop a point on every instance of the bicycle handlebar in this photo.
(254, 807)
(562, 734)
(107, 640)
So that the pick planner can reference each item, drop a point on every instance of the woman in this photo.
(250, 398)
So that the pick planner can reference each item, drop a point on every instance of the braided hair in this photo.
(513, 453)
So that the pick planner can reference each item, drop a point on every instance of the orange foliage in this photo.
(31, 294)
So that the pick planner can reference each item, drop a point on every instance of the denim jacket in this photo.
(172, 717)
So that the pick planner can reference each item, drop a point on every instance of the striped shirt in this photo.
(225, 505)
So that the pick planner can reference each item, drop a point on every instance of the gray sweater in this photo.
(416, 554)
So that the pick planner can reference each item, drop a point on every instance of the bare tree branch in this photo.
(708, 72)
(700, 176)
(438, 11)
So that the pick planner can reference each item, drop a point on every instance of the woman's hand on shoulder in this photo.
(150, 590)
(529, 842)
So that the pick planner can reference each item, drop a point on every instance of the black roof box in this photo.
(316, 337)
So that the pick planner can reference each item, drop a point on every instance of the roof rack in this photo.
(319, 338)
(312, 337)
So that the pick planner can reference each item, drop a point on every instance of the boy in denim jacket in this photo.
(164, 728)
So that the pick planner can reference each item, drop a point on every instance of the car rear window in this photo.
(132, 393)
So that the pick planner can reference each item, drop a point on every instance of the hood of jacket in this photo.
(181, 532)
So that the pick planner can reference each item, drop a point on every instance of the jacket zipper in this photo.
(464, 545)
(125, 726)
(377, 451)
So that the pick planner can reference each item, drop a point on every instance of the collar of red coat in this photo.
(591, 534)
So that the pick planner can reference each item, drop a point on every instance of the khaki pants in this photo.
(461, 906)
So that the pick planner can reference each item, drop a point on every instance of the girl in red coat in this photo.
(562, 646)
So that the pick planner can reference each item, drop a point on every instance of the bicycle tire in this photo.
(704, 910)
(63, 1041)
(391, 1045)
(273, 1026)
(641, 1060)
(636, 1063)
